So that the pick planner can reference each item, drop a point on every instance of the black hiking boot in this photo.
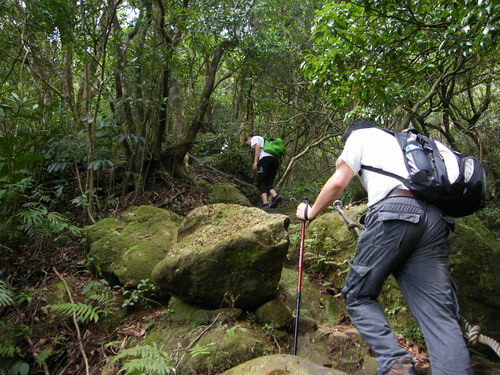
(275, 201)
(403, 366)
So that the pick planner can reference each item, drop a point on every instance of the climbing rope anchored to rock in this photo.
(472, 333)
(337, 205)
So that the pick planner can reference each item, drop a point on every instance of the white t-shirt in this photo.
(378, 149)
(260, 140)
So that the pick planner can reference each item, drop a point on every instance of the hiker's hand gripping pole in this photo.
(299, 281)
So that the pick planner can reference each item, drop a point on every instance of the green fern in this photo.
(99, 291)
(144, 359)
(5, 295)
(38, 222)
(82, 311)
(198, 350)
(9, 351)
(44, 355)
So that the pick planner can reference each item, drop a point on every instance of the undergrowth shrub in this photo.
(26, 213)
(142, 359)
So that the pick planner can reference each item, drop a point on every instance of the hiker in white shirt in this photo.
(405, 237)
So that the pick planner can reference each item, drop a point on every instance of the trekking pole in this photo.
(299, 281)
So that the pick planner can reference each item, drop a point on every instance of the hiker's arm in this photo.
(256, 157)
(332, 189)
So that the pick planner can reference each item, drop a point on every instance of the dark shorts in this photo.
(267, 169)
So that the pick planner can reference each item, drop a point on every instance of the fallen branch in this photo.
(195, 341)
(220, 172)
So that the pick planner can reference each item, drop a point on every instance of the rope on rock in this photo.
(473, 335)
(337, 205)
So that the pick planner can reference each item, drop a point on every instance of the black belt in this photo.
(401, 193)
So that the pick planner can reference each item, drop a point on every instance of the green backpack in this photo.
(274, 146)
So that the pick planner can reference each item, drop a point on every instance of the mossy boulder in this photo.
(226, 254)
(181, 312)
(219, 344)
(278, 364)
(476, 268)
(129, 246)
(322, 308)
(228, 193)
(275, 313)
(330, 242)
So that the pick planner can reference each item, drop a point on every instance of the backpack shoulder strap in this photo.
(401, 138)
(438, 160)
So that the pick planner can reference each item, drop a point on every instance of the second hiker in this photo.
(266, 166)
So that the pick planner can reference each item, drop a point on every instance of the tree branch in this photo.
(292, 161)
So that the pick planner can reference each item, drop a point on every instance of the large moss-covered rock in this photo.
(130, 245)
(228, 193)
(330, 243)
(476, 270)
(275, 313)
(278, 364)
(181, 312)
(203, 348)
(226, 255)
(322, 308)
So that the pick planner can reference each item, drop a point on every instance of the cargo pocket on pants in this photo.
(354, 281)
(391, 228)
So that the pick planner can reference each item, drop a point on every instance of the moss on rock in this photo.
(475, 269)
(131, 245)
(227, 193)
(226, 255)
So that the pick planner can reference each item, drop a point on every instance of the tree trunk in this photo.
(172, 156)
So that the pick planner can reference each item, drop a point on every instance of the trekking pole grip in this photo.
(306, 201)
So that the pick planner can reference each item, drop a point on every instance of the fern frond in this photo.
(43, 356)
(198, 350)
(82, 311)
(105, 299)
(146, 366)
(100, 292)
(5, 295)
(144, 359)
(8, 351)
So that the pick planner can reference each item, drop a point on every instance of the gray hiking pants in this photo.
(408, 238)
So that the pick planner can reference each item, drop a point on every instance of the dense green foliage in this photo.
(114, 95)
(101, 101)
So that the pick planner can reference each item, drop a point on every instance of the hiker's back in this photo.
(373, 146)
(434, 173)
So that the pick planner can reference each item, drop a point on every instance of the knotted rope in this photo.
(351, 225)
(473, 335)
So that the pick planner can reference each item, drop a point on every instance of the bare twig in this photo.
(78, 333)
(35, 354)
(6, 248)
(306, 149)
(196, 340)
